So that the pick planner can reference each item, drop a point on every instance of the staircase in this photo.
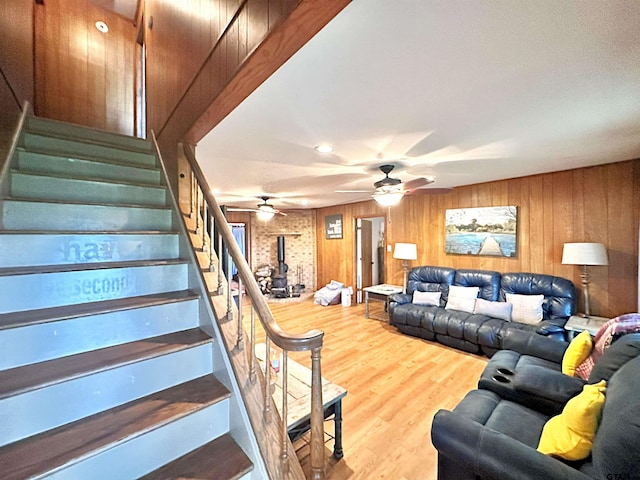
(109, 345)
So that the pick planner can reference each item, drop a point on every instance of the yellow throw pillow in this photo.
(570, 434)
(576, 353)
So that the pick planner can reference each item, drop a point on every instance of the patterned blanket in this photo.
(610, 331)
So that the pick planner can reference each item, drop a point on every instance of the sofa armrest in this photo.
(547, 384)
(400, 298)
(530, 343)
(492, 454)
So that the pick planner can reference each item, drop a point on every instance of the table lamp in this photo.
(585, 254)
(405, 252)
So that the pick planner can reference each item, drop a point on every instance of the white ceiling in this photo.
(466, 91)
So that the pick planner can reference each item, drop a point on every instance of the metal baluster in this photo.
(285, 434)
(267, 379)
(240, 326)
(252, 361)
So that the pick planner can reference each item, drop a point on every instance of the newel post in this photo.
(317, 417)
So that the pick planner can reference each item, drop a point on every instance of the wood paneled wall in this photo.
(16, 66)
(205, 57)
(82, 75)
(595, 204)
(16, 54)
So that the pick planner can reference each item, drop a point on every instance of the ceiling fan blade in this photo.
(352, 191)
(417, 183)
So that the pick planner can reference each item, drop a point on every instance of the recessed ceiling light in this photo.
(324, 148)
(101, 26)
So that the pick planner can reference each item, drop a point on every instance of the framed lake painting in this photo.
(481, 231)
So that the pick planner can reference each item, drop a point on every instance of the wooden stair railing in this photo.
(204, 207)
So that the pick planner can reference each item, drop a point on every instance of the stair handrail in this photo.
(15, 138)
(308, 341)
(287, 341)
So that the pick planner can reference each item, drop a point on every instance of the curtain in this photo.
(238, 230)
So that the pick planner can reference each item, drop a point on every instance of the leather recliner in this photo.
(477, 333)
(487, 436)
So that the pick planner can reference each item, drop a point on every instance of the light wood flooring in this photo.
(395, 383)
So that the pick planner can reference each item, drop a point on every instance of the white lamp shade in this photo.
(405, 251)
(584, 254)
(388, 199)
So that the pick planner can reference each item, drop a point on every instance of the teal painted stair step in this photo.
(77, 166)
(82, 133)
(55, 286)
(48, 187)
(21, 249)
(29, 214)
(38, 142)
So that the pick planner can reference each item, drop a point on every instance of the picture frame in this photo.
(333, 227)
(485, 231)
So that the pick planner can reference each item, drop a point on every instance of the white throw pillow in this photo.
(463, 292)
(462, 298)
(426, 298)
(526, 308)
(500, 310)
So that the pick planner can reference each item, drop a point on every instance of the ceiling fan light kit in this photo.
(388, 199)
(264, 215)
(264, 212)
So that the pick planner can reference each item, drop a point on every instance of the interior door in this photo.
(366, 253)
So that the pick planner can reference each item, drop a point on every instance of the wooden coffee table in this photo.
(299, 400)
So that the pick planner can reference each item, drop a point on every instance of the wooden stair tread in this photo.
(57, 447)
(44, 315)
(80, 267)
(37, 375)
(221, 459)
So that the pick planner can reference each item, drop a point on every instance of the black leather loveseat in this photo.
(477, 332)
(490, 436)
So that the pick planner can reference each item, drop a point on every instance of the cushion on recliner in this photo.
(426, 298)
(501, 310)
(570, 435)
(431, 279)
(509, 418)
(488, 282)
(526, 308)
(559, 292)
(579, 349)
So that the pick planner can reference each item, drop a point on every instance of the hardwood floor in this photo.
(395, 384)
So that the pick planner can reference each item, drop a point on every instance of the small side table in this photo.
(577, 324)
(379, 292)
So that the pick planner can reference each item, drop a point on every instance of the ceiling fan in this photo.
(389, 191)
(264, 210)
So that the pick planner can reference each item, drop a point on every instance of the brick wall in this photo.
(299, 231)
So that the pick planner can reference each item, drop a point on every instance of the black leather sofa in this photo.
(476, 333)
(489, 436)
